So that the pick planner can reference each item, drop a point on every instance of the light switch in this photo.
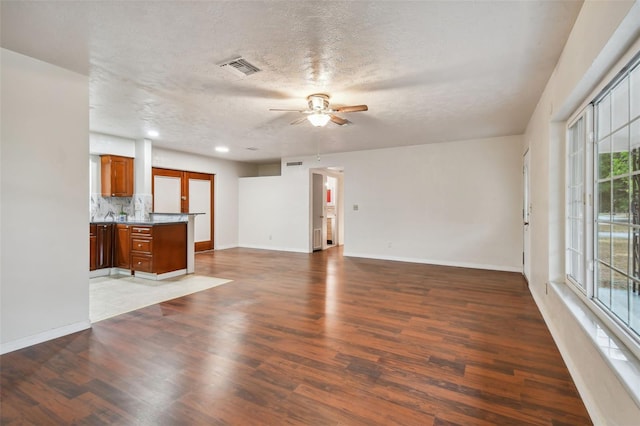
(355, 207)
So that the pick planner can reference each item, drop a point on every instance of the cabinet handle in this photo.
(139, 263)
(139, 245)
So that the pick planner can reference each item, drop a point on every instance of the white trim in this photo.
(120, 271)
(590, 401)
(100, 272)
(43, 337)
(621, 360)
(225, 247)
(259, 247)
(437, 262)
(105, 272)
(158, 277)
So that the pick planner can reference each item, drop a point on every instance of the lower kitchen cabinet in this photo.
(104, 246)
(122, 257)
(159, 249)
(93, 246)
(153, 249)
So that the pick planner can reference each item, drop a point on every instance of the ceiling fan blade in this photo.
(353, 108)
(338, 120)
(298, 121)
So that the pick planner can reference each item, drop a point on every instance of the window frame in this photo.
(629, 336)
(586, 287)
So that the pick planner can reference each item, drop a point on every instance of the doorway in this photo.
(331, 212)
(326, 209)
(176, 191)
(319, 222)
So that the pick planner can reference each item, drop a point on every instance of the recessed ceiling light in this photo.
(222, 149)
(153, 133)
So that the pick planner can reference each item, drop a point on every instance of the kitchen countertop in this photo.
(137, 222)
(156, 219)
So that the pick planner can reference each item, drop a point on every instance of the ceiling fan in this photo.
(319, 113)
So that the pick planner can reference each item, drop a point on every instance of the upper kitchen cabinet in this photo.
(117, 176)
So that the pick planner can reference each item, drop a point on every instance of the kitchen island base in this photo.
(153, 250)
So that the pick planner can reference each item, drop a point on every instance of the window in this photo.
(603, 251)
(576, 203)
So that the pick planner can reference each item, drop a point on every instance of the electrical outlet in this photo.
(355, 207)
(270, 238)
(389, 244)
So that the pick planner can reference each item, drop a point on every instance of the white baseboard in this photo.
(105, 272)
(589, 400)
(225, 247)
(259, 247)
(621, 363)
(159, 277)
(435, 262)
(43, 337)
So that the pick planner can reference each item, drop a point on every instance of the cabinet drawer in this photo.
(144, 245)
(141, 230)
(141, 263)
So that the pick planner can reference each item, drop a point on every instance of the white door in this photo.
(200, 192)
(526, 217)
(319, 221)
(167, 191)
(176, 191)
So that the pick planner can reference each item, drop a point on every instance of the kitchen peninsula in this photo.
(159, 248)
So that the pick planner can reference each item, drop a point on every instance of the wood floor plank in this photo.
(307, 339)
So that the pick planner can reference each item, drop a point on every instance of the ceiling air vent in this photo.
(240, 66)
(294, 163)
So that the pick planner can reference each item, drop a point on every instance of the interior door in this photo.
(319, 222)
(200, 200)
(177, 191)
(526, 217)
(167, 191)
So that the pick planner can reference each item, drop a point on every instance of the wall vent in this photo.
(240, 66)
(294, 163)
(317, 239)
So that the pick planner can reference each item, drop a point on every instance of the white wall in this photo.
(456, 203)
(601, 33)
(111, 145)
(226, 187)
(45, 181)
(274, 212)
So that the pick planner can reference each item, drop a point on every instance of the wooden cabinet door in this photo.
(117, 176)
(93, 241)
(122, 248)
(104, 246)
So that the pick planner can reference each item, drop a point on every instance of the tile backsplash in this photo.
(104, 208)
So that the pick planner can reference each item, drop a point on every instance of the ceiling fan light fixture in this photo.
(318, 119)
(318, 102)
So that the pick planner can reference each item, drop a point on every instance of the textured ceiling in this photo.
(429, 71)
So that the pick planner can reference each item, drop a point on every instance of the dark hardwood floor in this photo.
(307, 339)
